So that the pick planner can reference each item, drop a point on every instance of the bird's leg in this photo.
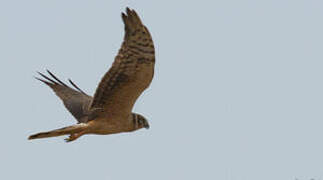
(74, 136)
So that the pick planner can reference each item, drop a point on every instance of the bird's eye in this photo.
(140, 121)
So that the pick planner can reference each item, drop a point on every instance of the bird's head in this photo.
(139, 121)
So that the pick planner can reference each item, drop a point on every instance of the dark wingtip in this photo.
(53, 76)
(128, 10)
(42, 80)
(124, 17)
(50, 73)
(47, 78)
(131, 20)
(41, 74)
(74, 85)
(131, 13)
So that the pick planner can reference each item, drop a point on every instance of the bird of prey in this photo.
(109, 111)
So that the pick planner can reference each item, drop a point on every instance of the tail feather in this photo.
(59, 132)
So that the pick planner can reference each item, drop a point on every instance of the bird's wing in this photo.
(131, 71)
(76, 101)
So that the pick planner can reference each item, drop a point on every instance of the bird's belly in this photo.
(106, 127)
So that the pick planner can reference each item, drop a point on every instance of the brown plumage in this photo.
(110, 110)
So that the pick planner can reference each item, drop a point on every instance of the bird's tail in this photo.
(59, 132)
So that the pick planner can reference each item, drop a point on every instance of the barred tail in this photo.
(59, 132)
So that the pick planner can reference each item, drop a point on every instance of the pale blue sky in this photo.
(237, 93)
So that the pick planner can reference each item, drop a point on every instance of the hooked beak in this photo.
(146, 126)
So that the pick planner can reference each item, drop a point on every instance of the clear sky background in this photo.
(237, 93)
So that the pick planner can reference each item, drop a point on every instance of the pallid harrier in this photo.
(109, 111)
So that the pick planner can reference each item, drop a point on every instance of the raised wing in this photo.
(131, 71)
(76, 101)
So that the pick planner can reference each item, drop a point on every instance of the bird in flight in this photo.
(109, 111)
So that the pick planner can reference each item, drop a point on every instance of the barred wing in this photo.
(131, 72)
